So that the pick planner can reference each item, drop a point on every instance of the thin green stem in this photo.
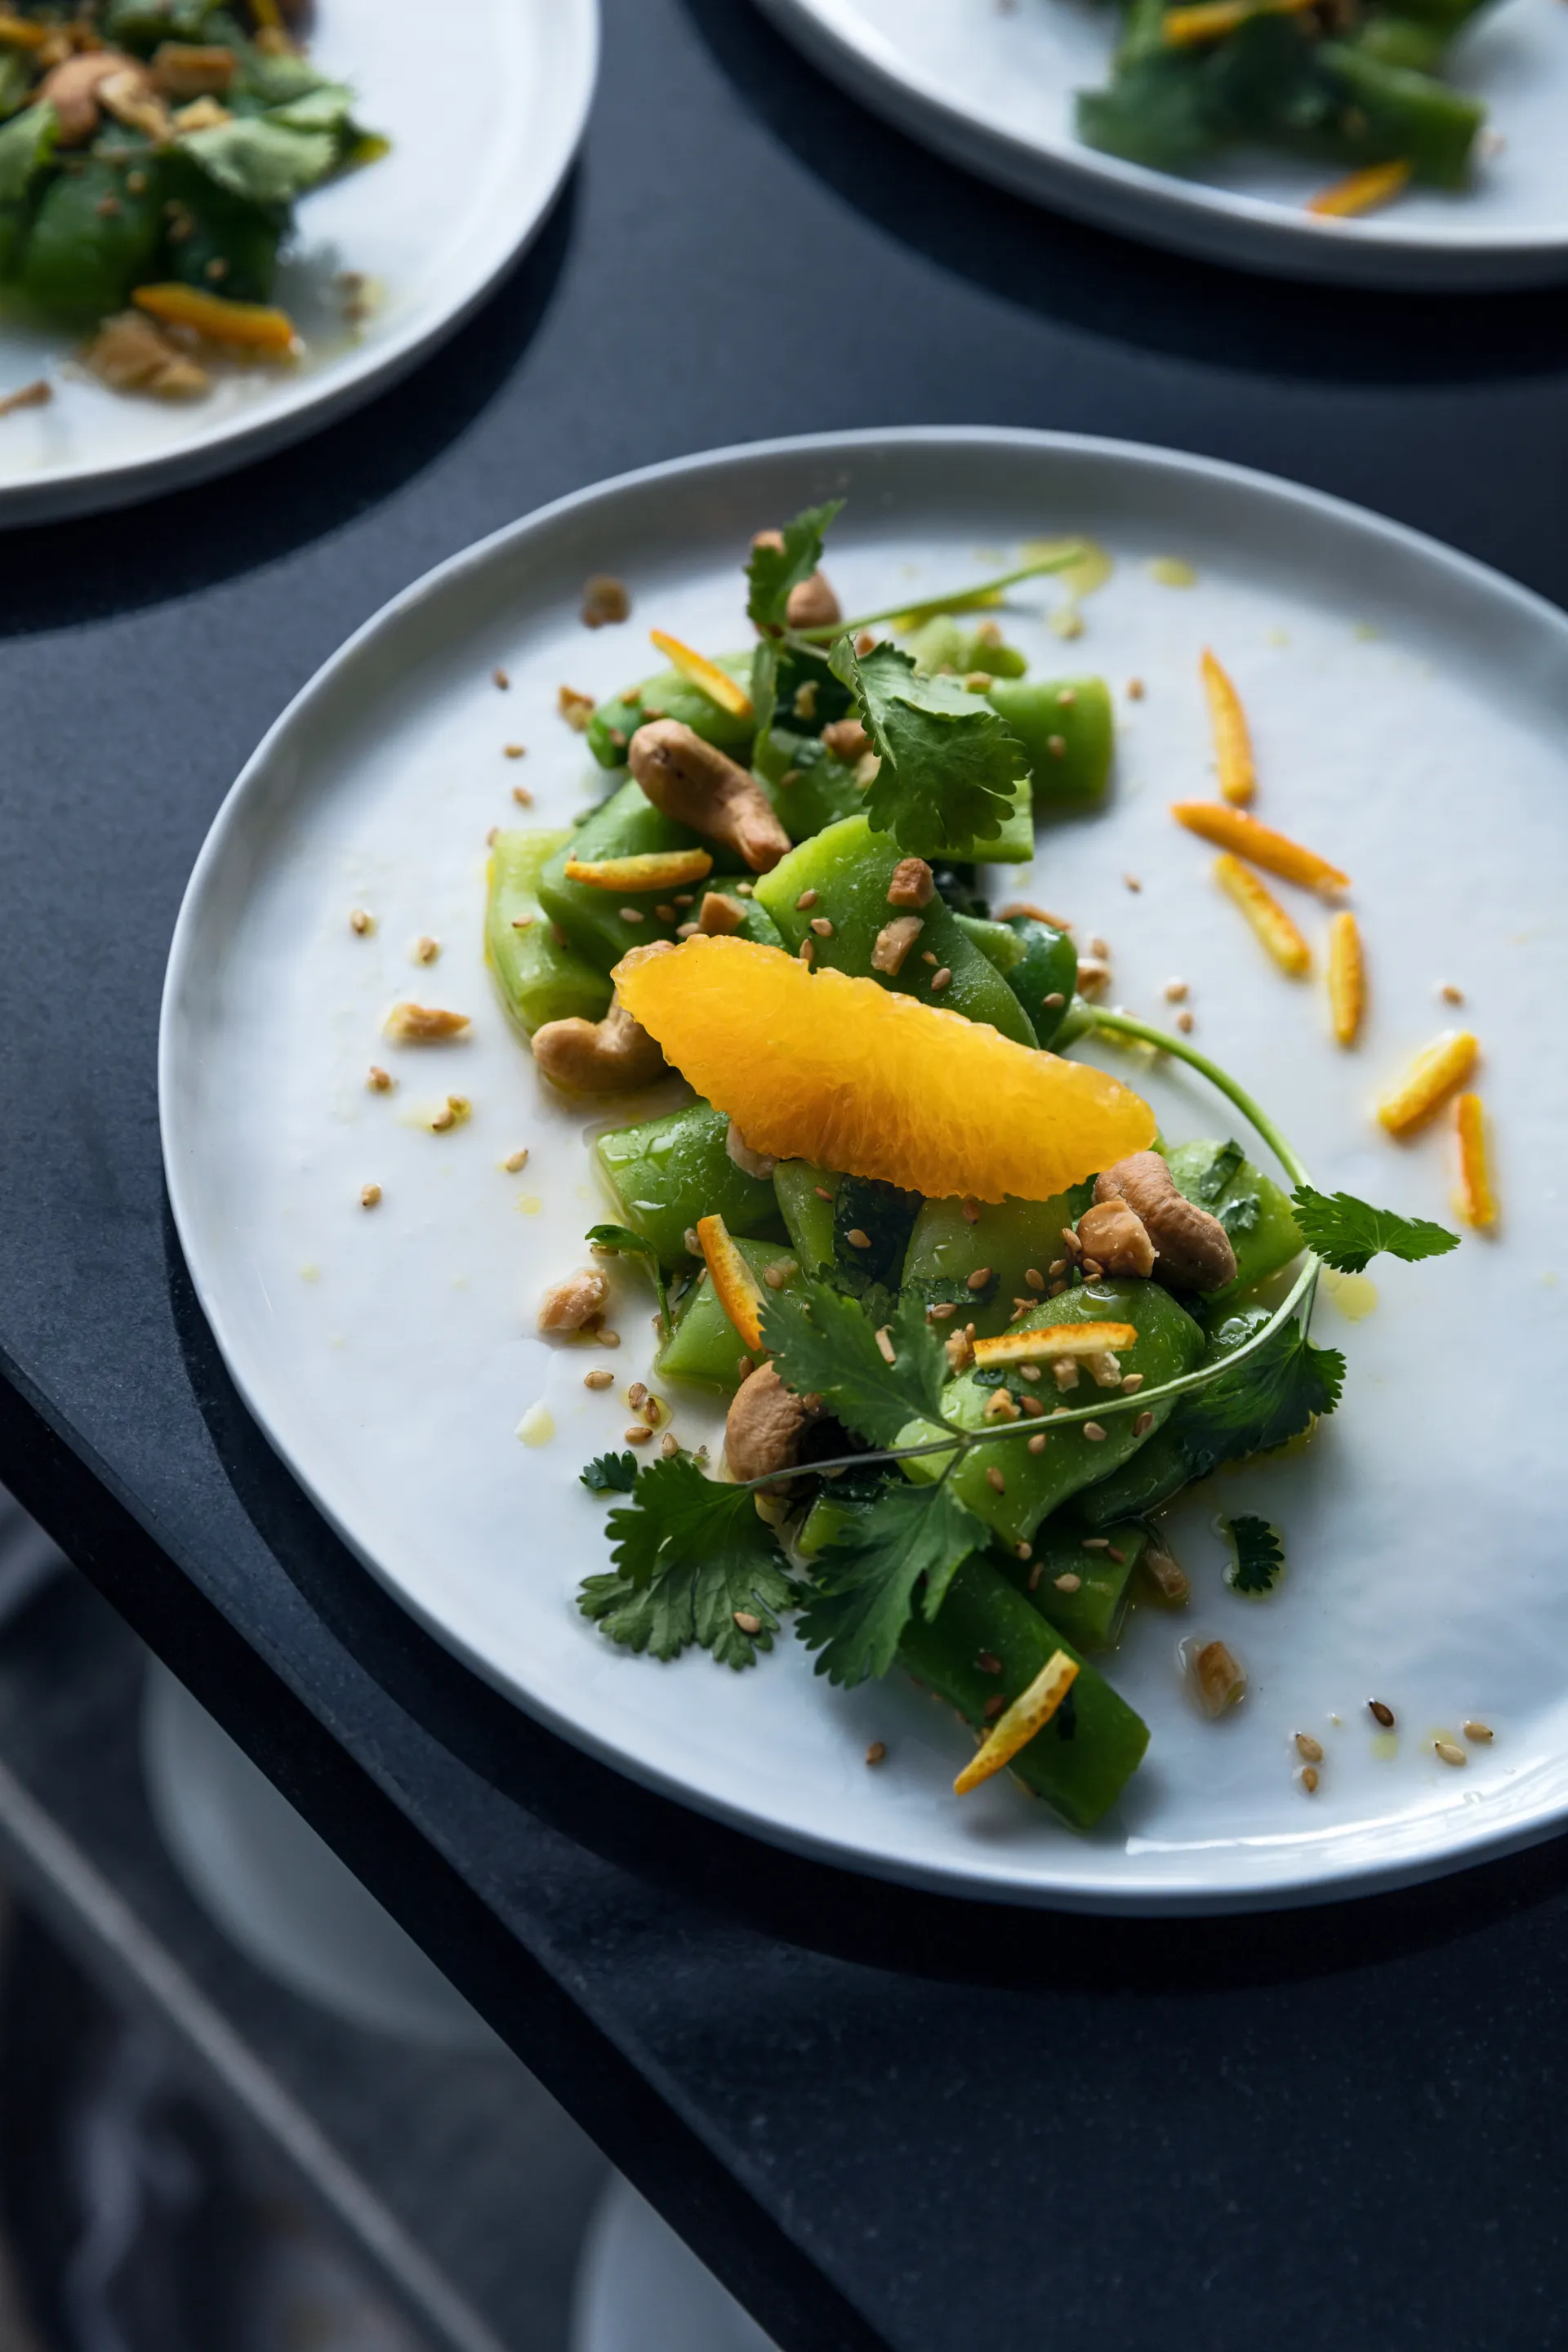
(963, 600)
(1127, 1024)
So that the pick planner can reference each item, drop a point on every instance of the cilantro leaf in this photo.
(625, 1243)
(1259, 1555)
(610, 1474)
(949, 763)
(1241, 1216)
(882, 1215)
(1345, 1232)
(689, 1554)
(772, 571)
(864, 1588)
(1211, 1183)
(1268, 1397)
(825, 1345)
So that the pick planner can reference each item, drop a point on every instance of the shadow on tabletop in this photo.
(1112, 286)
(774, 1893)
(97, 567)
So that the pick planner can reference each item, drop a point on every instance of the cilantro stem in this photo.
(961, 600)
(1128, 1025)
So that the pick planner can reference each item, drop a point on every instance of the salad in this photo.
(1354, 84)
(152, 153)
(977, 1322)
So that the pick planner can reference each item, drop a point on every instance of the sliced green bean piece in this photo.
(1083, 1593)
(1064, 725)
(1252, 1208)
(539, 979)
(800, 1185)
(1006, 1240)
(667, 1172)
(626, 825)
(704, 1346)
(668, 695)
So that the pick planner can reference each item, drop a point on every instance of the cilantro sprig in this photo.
(1259, 1561)
(823, 1345)
(950, 765)
(865, 1584)
(610, 1474)
(773, 572)
(621, 1242)
(693, 1564)
(1347, 1233)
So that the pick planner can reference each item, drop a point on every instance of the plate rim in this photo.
(1447, 1842)
(239, 440)
(1159, 207)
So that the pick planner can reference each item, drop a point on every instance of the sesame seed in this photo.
(1100, 948)
(940, 980)
(926, 956)
(669, 1445)
(806, 951)
(856, 1239)
(1057, 745)
(1066, 698)
(609, 1338)
(360, 922)
(989, 1663)
(1383, 1715)
(747, 1622)
(427, 949)
(746, 890)
(1093, 1432)
(515, 1161)
(779, 1273)
(1028, 1371)
(666, 914)
(1450, 995)
(744, 1367)
(692, 1240)
(1175, 990)
(1068, 1581)
(884, 1344)
(379, 1080)
(1309, 1779)
(684, 899)
(1075, 1247)
(980, 1277)
(994, 1478)
(1479, 1731)
(944, 1313)
(1038, 1444)
(1134, 690)
(1117, 1557)
(637, 1395)
(1132, 882)
(688, 931)
(1185, 1023)
(822, 927)
(993, 1707)
(1309, 1748)
(822, 1192)
(1143, 1424)
(1092, 1269)
(633, 915)
(970, 1208)
(1053, 1000)
(807, 898)
(371, 1197)
(445, 1117)
(639, 1433)
(514, 750)
(599, 1378)
(1450, 1753)
(1021, 1552)
(501, 680)
(877, 1751)
(1131, 1384)
(1095, 1543)
(1034, 1278)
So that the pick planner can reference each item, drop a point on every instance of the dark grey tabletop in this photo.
(886, 2120)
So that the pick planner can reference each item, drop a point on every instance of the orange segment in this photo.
(734, 1284)
(1058, 1340)
(705, 676)
(1475, 1200)
(654, 869)
(1231, 828)
(1436, 1070)
(835, 1069)
(1231, 742)
(1030, 1712)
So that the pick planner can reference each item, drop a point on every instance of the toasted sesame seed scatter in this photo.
(822, 1192)
(744, 1367)
(822, 927)
(1185, 1023)
(1038, 1444)
(992, 1706)
(885, 1345)
(747, 1622)
(500, 678)
(1095, 1543)
(1175, 991)
(807, 898)
(940, 980)
(1021, 1552)
(427, 949)
(1143, 1424)
(1055, 999)
(1309, 1748)
(1093, 1432)
(806, 951)
(666, 914)
(1450, 995)
(515, 750)
(609, 1338)
(669, 1445)
(515, 1161)
(980, 1277)
(1034, 1278)
(633, 915)
(379, 1080)
(970, 1209)
(856, 1239)
(1134, 690)
(1383, 1715)
(1119, 1558)
(1132, 883)
(598, 1379)
(994, 1477)
(360, 922)
(1057, 745)
(1309, 1779)
(944, 1313)
(988, 1663)
(877, 1751)
(1131, 1384)
(927, 956)
(637, 1395)
(371, 1197)
(638, 1433)
(445, 1117)
(1480, 1732)
(1449, 1752)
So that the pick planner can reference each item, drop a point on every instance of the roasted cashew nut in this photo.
(612, 1057)
(1194, 1248)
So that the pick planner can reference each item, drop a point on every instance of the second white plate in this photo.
(1410, 711)
(994, 88)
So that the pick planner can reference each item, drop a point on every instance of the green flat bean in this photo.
(667, 1172)
(539, 979)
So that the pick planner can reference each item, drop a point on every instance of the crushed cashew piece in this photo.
(1271, 925)
(1347, 977)
(36, 395)
(1476, 1200)
(128, 353)
(1029, 1713)
(1232, 741)
(574, 708)
(568, 1304)
(424, 1024)
(1436, 1071)
(1233, 829)
(605, 601)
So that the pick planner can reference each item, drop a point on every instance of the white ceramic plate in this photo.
(993, 87)
(1411, 711)
(484, 110)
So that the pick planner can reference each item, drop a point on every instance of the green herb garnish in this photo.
(1259, 1400)
(823, 1345)
(773, 572)
(692, 1556)
(865, 1584)
(950, 765)
(623, 1242)
(1347, 1233)
(610, 1474)
(1260, 1555)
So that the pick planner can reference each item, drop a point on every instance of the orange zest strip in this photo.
(1267, 915)
(837, 1069)
(255, 325)
(1060, 1340)
(1436, 1070)
(1211, 20)
(17, 33)
(1475, 1202)
(705, 676)
(1347, 977)
(735, 1286)
(655, 869)
(1030, 1712)
(1232, 829)
(1231, 742)
(1360, 192)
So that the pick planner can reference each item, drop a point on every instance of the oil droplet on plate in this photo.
(1172, 571)
(537, 1427)
(528, 1204)
(1355, 1295)
(1385, 1746)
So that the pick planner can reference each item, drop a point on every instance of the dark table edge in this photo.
(58, 1482)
